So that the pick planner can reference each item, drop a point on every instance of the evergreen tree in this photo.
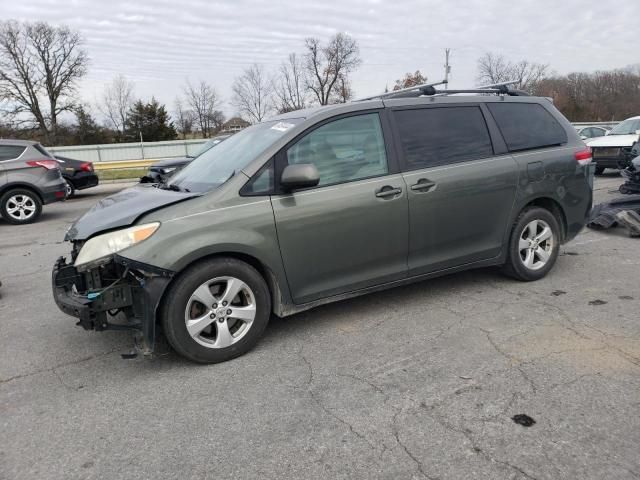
(150, 120)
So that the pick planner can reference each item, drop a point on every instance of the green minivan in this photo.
(318, 205)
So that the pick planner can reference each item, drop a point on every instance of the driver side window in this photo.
(344, 150)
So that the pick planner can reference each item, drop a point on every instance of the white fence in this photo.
(129, 151)
(170, 149)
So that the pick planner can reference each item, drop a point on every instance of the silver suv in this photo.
(29, 178)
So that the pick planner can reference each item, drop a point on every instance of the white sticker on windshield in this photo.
(282, 126)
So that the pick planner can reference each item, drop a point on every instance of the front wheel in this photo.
(599, 170)
(216, 310)
(533, 246)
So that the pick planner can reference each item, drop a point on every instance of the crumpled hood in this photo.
(613, 141)
(123, 209)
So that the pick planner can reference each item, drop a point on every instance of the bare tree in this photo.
(326, 65)
(217, 120)
(39, 67)
(494, 68)
(342, 91)
(184, 118)
(117, 100)
(203, 100)
(289, 85)
(252, 93)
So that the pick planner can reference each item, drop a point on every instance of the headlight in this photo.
(168, 170)
(107, 244)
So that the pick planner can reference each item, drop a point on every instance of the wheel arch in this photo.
(20, 185)
(273, 284)
(554, 207)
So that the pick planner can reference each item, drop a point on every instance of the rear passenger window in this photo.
(525, 126)
(440, 136)
(9, 152)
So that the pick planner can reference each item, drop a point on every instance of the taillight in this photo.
(87, 167)
(48, 164)
(583, 157)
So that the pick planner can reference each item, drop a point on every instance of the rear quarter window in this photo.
(526, 126)
(10, 152)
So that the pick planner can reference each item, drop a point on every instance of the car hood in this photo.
(123, 209)
(613, 141)
(172, 162)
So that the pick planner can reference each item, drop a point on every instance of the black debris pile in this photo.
(631, 173)
(624, 211)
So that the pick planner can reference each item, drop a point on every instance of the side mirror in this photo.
(301, 175)
(583, 137)
(637, 132)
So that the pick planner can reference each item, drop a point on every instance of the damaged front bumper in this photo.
(97, 296)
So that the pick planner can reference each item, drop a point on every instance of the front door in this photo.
(351, 231)
(460, 192)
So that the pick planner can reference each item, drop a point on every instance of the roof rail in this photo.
(428, 89)
(415, 91)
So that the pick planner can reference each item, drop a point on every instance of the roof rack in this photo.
(415, 91)
(429, 90)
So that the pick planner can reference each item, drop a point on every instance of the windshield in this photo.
(628, 127)
(217, 165)
(207, 146)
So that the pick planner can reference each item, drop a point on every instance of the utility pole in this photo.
(447, 67)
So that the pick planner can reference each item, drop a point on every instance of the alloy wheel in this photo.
(220, 312)
(21, 207)
(536, 244)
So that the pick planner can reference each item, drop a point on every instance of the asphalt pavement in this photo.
(415, 382)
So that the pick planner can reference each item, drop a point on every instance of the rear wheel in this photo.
(216, 310)
(70, 189)
(599, 170)
(20, 206)
(533, 246)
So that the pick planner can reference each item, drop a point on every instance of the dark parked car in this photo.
(318, 205)
(77, 174)
(29, 178)
(160, 171)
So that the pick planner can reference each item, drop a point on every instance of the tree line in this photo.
(41, 66)
(582, 97)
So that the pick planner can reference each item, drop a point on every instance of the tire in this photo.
(27, 202)
(70, 189)
(224, 336)
(533, 266)
(599, 170)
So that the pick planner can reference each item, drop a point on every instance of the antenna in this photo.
(423, 89)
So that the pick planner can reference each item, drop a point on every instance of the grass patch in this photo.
(121, 173)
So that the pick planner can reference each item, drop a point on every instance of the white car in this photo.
(613, 150)
(587, 133)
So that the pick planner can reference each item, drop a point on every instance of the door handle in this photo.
(423, 185)
(388, 191)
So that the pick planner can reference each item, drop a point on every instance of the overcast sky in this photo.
(159, 44)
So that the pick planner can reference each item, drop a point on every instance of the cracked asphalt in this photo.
(416, 382)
